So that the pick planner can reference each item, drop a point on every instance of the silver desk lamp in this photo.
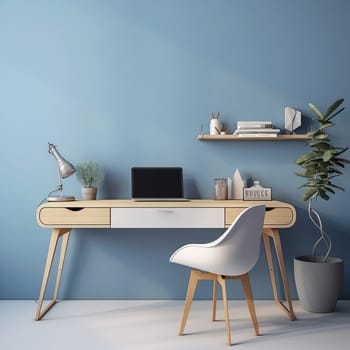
(64, 169)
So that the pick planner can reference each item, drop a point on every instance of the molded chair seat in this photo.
(231, 256)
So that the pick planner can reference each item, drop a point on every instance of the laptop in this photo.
(157, 184)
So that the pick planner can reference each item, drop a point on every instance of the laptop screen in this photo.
(156, 182)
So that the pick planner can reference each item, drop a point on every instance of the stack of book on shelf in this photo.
(256, 129)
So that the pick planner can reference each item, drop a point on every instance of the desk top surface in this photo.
(97, 213)
(193, 203)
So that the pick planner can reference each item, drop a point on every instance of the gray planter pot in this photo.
(318, 283)
(88, 193)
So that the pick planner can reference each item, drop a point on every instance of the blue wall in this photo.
(130, 83)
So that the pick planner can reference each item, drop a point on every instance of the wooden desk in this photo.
(62, 217)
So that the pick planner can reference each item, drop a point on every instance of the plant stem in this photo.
(323, 234)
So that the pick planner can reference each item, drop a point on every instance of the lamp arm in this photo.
(59, 185)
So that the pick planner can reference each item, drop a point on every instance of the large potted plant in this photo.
(90, 176)
(318, 278)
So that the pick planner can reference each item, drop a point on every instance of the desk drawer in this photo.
(74, 217)
(274, 217)
(167, 217)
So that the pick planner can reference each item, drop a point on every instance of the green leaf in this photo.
(329, 189)
(311, 133)
(320, 144)
(321, 136)
(326, 125)
(344, 161)
(333, 107)
(300, 174)
(305, 158)
(308, 194)
(338, 163)
(323, 195)
(328, 155)
(342, 150)
(335, 114)
(338, 187)
(337, 172)
(316, 111)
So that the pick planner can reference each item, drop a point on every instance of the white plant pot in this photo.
(88, 193)
(215, 124)
(318, 283)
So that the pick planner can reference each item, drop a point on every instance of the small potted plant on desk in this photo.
(90, 176)
(318, 278)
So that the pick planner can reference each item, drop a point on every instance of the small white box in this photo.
(257, 194)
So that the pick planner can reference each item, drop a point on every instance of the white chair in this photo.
(231, 256)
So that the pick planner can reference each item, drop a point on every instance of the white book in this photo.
(254, 124)
(257, 130)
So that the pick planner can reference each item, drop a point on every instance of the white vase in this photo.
(88, 193)
(215, 124)
(238, 184)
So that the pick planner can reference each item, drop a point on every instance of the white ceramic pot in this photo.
(215, 124)
(88, 193)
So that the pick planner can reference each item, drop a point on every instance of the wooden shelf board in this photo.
(300, 137)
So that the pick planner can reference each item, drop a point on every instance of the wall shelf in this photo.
(300, 137)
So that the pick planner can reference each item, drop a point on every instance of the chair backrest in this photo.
(234, 253)
(240, 243)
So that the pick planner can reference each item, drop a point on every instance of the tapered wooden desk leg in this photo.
(274, 234)
(55, 235)
(270, 264)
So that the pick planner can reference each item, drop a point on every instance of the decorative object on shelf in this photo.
(215, 124)
(220, 189)
(318, 278)
(292, 119)
(257, 192)
(90, 175)
(229, 187)
(238, 183)
(64, 169)
(256, 129)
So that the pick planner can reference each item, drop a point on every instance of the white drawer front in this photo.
(167, 217)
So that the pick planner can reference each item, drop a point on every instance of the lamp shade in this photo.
(65, 168)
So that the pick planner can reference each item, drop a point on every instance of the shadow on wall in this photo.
(191, 188)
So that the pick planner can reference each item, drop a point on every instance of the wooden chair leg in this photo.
(249, 298)
(192, 284)
(222, 282)
(215, 291)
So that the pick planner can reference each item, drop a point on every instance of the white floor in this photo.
(153, 325)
